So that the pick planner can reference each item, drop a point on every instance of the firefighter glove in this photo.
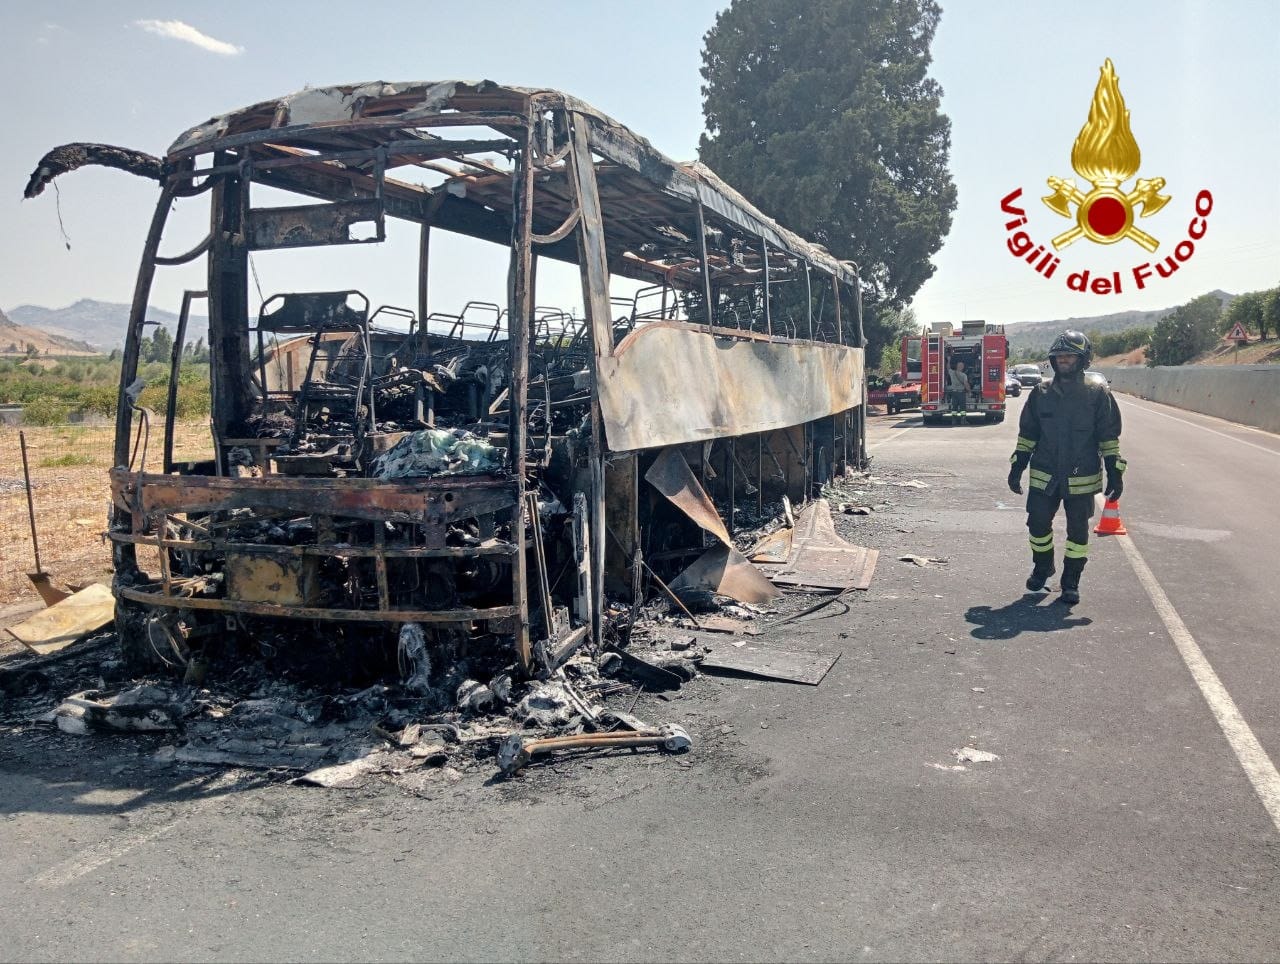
(1019, 464)
(1115, 478)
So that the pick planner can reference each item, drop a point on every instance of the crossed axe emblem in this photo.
(1146, 194)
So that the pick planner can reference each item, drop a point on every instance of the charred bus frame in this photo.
(703, 359)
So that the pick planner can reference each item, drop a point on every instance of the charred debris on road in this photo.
(489, 505)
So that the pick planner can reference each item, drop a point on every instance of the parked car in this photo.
(1029, 375)
(902, 394)
(893, 393)
(1012, 384)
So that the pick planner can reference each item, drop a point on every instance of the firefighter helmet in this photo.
(1073, 343)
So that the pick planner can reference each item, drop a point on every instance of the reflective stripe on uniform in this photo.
(1028, 445)
(1076, 550)
(1109, 447)
(1042, 543)
(1084, 484)
(1121, 465)
(1040, 479)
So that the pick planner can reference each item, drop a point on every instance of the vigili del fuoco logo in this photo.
(1106, 155)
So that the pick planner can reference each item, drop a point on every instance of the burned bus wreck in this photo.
(495, 477)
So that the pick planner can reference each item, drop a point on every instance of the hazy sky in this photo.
(1201, 80)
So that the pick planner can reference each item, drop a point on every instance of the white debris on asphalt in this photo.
(922, 561)
(971, 754)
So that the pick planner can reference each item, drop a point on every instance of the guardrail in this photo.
(1249, 394)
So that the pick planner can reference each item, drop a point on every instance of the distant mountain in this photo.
(1036, 336)
(15, 337)
(100, 323)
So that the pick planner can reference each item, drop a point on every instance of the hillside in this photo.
(100, 323)
(15, 337)
(1256, 353)
(1036, 336)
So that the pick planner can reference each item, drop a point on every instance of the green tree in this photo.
(1248, 310)
(160, 347)
(896, 324)
(822, 112)
(1185, 332)
(1271, 312)
(1120, 342)
(32, 350)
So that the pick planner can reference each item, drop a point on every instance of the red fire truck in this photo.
(984, 350)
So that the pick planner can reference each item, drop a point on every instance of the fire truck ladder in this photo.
(935, 373)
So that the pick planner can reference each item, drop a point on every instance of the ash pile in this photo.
(432, 725)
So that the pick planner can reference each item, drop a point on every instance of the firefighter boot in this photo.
(1071, 569)
(1042, 571)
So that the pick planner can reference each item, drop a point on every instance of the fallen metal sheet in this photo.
(772, 662)
(773, 549)
(670, 474)
(651, 675)
(75, 617)
(726, 572)
(821, 559)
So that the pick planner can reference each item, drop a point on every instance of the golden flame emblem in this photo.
(1106, 154)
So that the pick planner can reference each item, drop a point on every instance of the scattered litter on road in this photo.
(924, 562)
(970, 754)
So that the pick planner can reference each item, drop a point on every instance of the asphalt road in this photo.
(827, 823)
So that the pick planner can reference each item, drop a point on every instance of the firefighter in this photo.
(1068, 432)
(958, 391)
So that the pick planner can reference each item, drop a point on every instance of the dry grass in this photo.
(71, 493)
(1257, 353)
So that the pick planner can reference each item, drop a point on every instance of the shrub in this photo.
(45, 411)
(97, 400)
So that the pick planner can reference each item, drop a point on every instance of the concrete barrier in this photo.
(1249, 394)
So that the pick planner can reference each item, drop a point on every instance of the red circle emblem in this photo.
(1106, 216)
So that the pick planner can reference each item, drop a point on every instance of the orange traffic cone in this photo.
(1110, 524)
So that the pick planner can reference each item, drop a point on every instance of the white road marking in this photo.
(91, 858)
(1253, 758)
(1214, 431)
(889, 438)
